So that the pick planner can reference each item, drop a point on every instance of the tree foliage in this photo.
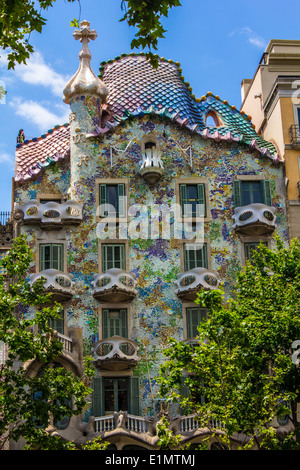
(18, 19)
(239, 371)
(146, 16)
(30, 403)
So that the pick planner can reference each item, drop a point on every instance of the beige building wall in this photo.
(271, 99)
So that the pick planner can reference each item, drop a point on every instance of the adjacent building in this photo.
(146, 196)
(271, 97)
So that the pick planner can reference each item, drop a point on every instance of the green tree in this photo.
(18, 19)
(29, 404)
(240, 370)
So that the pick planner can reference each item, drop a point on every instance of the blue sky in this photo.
(217, 43)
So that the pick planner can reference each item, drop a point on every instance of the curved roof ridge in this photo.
(43, 136)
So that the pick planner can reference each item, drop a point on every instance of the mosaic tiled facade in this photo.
(104, 144)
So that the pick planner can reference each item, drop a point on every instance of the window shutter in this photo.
(97, 402)
(186, 258)
(237, 193)
(42, 257)
(204, 256)
(121, 201)
(123, 323)
(183, 198)
(201, 211)
(102, 200)
(122, 257)
(104, 258)
(56, 257)
(266, 191)
(105, 319)
(135, 396)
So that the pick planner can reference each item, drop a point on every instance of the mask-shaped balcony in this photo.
(51, 213)
(115, 285)
(151, 166)
(191, 282)
(59, 284)
(254, 219)
(115, 353)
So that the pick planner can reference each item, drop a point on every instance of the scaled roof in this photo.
(137, 89)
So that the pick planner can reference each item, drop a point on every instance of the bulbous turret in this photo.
(85, 82)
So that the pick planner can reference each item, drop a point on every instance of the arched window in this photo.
(212, 119)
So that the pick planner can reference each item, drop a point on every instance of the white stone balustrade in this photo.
(116, 353)
(51, 212)
(190, 282)
(57, 282)
(104, 423)
(121, 419)
(254, 219)
(115, 285)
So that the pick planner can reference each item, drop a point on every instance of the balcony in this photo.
(254, 219)
(115, 285)
(59, 284)
(151, 166)
(295, 136)
(115, 353)
(51, 213)
(6, 229)
(191, 282)
(128, 422)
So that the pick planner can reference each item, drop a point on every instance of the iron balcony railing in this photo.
(4, 217)
(295, 134)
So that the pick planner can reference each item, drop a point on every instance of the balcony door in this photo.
(51, 256)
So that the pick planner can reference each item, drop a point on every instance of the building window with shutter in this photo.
(113, 256)
(51, 256)
(58, 323)
(116, 394)
(195, 256)
(194, 316)
(250, 247)
(251, 192)
(112, 394)
(112, 200)
(114, 323)
(192, 200)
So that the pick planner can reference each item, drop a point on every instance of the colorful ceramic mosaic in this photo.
(73, 160)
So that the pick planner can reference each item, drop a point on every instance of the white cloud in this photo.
(7, 159)
(38, 114)
(37, 72)
(253, 38)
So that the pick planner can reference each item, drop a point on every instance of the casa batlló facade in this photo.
(145, 197)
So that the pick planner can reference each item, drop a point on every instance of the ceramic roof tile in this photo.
(135, 88)
(34, 154)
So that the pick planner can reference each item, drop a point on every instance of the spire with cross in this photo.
(85, 82)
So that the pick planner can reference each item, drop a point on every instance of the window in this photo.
(251, 192)
(195, 256)
(115, 394)
(114, 323)
(192, 200)
(51, 199)
(58, 323)
(212, 119)
(112, 200)
(194, 316)
(113, 256)
(250, 247)
(51, 256)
